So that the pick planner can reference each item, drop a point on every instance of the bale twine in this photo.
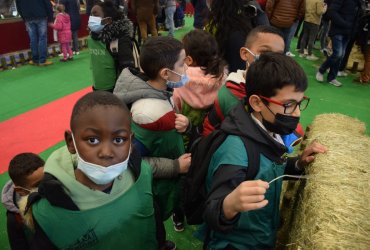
(332, 208)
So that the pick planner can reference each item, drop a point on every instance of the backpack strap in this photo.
(253, 154)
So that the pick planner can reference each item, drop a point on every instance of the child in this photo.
(206, 72)
(110, 44)
(313, 12)
(261, 39)
(26, 171)
(62, 24)
(249, 210)
(96, 193)
(156, 124)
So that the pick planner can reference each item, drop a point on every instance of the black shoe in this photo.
(169, 245)
(178, 224)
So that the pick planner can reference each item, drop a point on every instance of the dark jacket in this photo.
(33, 9)
(72, 7)
(226, 177)
(344, 16)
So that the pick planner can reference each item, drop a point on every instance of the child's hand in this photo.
(184, 162)
(308, 154)
(249, 195)
(325, 8)
(181, 123)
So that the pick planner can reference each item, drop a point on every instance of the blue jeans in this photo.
(37, 31)
(339, 44)
(170, 12)
(288, 34)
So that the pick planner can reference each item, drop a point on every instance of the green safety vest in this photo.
(103, 67)
(125, 223)
(168, 144)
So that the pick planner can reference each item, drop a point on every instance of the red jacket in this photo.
(62, 24)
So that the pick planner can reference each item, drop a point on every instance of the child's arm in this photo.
(168, 168)
(125, 55)
(57, 25)
(230, 195)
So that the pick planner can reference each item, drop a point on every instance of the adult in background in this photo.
(36, 14)
(285, 15)
(343, 15)
(201, 13)
(72, 7)
(170, 10)
(145, 12)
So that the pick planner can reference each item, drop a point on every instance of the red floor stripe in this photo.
(36, 130)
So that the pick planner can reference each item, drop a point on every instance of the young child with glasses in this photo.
(248, 210)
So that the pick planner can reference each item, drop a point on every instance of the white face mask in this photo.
(98, 174)
(256, 57)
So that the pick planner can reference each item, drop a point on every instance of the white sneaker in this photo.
(336, 83)
(342, 73)
(319, 77)
(76, 53)
(290, 54)
(305, 51)
(302, 55)
(312, 57)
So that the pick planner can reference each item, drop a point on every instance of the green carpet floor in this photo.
(29, 87)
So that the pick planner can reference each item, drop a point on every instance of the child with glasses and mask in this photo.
(96, 192)
(244, 214)
(26, 171)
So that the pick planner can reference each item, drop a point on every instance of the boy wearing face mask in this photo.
(26, 171)
(244, 214)
(96, 193)
(110, 45)
(156, 124)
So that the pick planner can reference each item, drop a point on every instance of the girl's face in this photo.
(97, 11)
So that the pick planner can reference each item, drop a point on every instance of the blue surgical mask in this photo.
(98, 174)
(184, 79)
(94, 24)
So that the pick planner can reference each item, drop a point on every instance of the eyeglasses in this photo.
(290, 106)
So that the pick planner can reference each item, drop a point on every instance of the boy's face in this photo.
(102, 135)
(285, 95)
(180, 68)
(265, 42)
(31, 182)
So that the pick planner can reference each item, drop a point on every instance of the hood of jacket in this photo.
(7, 197)
(64, 18)
(201, 90)
(239, 122)
(132, 85)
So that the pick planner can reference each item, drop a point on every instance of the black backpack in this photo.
(195, 194)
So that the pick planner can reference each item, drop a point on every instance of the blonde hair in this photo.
(60, 8)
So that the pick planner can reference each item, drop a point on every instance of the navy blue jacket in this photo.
(31, 9)
(344, 16)
(72, 7)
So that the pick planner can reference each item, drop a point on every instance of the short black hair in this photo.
(271, 72)
(158, 53)
(23, 165)
(96, 98)
(253, 34)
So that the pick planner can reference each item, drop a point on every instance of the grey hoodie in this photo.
(132, 85)
(7, 197)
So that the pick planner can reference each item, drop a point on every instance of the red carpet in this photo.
(38, 129)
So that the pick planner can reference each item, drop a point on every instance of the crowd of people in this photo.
(131, 141)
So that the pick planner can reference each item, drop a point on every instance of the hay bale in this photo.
(332, 208)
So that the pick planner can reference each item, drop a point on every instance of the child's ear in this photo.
(189, 60)
(255, 102)
(69, 141)
(243, 54)
(163, 73)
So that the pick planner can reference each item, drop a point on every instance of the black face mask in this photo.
(283, 125)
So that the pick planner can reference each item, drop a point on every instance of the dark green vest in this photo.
(125, 223)
(102, 65)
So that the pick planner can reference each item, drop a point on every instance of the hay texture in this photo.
(332, 208)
